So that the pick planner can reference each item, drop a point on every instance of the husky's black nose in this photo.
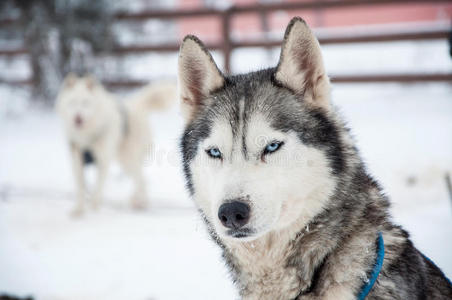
(234, 214)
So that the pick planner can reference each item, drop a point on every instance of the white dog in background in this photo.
(101, 129)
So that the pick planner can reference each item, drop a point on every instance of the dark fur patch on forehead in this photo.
(286, 111)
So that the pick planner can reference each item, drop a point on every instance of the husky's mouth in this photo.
(240, 233)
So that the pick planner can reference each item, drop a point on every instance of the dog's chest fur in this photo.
(265, 268)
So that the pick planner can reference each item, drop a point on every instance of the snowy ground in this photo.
(164, 253)
(111, 254)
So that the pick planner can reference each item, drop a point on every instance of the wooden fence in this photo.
(227, 44)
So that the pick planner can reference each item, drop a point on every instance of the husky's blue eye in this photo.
(214, 152)
(272, 147)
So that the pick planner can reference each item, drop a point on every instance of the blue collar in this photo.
(376, 270)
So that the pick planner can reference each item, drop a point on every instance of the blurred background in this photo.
(391, 72)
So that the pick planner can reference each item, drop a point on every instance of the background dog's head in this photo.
(81, 103)
(261, 151)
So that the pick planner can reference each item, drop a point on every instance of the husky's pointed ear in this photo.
(198, 75)
(91, 82)
(69, 80)
(300, 66)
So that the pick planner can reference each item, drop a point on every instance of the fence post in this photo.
(227, 45)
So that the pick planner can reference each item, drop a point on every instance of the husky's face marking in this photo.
(258, 152)
(276, 184)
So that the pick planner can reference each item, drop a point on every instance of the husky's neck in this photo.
(279, 264)
(284, 263)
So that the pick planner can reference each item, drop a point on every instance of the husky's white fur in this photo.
(95, 121)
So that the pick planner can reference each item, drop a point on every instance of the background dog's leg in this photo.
(77, 167)
(134, 169)
(138, 199)
(103, 164)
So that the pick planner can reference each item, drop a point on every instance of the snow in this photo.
(165, 253)
(403, 132)
(114, 253)
(107, 255)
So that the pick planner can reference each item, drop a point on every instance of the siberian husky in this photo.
(282, 188)
(100, 129)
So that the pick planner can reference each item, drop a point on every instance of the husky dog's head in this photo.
(81, 102)
(261, 151)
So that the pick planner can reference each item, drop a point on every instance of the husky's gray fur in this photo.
(315, 214)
